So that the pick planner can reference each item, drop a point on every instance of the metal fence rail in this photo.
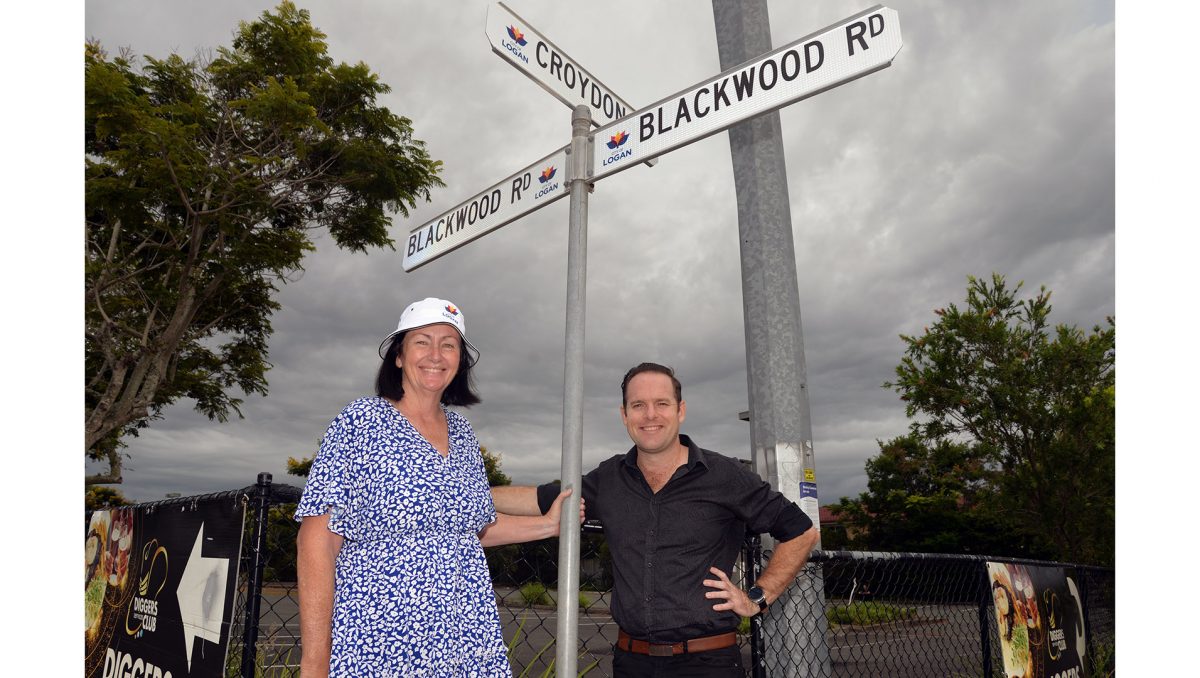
(889, 614)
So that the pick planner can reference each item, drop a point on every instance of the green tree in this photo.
(936, 498)
(491, 462)
(300, 467)
(101, 497)
(203, 185)
(1037, 403)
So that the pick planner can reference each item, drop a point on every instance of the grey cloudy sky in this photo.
(988, 146)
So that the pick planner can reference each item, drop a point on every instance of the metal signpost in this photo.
(845, 51)
(567, 640)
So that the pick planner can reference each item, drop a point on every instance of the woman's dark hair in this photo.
(389, 383)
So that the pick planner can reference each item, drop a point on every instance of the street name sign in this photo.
(845, 51)
(532, 188)
(530, 52)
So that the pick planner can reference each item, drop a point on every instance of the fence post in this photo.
(985, 634)
(752, 554)
(260, 503)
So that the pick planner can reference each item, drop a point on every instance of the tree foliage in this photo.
(204, 182)
(926, 498)
(1031, 410)
(491, 462)
(300, 467)
(100, 497)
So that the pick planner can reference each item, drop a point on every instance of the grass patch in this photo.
(1102, 658)
(863, 613)
(278, 666)
(535, 593)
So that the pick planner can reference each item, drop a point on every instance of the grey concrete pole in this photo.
(781, 425)
(567, 648)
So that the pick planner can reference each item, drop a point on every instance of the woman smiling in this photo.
(394, 517)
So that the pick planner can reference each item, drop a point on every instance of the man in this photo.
(675, 517)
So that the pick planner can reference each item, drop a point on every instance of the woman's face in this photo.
(429, 357)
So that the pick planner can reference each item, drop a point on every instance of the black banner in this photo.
(159, 585)
(1039, 614)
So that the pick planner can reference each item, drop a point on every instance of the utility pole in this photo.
(780, 421)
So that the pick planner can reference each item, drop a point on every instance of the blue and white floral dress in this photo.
(412, 593)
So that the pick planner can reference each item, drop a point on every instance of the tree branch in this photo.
(113, 477)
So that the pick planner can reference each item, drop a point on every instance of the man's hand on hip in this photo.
(730, 596)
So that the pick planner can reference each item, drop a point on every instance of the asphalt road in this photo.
(944, 642)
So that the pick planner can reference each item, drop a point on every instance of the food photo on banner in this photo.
(159, 583)
(1039, 615)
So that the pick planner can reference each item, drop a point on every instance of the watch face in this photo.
(756, 595)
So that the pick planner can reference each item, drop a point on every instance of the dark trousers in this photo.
(723, 663)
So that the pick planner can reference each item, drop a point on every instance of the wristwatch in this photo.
(758, 597)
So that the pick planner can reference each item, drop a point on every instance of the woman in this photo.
(396, 510)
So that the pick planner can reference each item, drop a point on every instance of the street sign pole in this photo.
(567, 649)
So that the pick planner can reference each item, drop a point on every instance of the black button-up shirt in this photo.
(663, 544)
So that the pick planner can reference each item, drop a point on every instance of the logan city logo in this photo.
(615, 143)
(544, 179)
(515, 49)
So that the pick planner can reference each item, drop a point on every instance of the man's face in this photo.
(651, 414)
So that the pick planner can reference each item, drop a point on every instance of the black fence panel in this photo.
(275, 652)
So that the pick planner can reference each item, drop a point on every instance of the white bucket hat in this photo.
(431, 311)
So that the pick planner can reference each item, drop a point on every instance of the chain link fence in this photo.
(884, 614)
(915, 614)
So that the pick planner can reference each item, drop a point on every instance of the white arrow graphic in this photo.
(202, 596)
(1080, 631)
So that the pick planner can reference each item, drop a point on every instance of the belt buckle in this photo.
(661, 650)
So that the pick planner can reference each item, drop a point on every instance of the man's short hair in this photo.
(651, 367)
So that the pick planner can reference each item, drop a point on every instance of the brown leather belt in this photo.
(717, 642)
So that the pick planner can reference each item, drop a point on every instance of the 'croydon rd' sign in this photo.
(534, 55)
(849, 49)
(535, 186)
